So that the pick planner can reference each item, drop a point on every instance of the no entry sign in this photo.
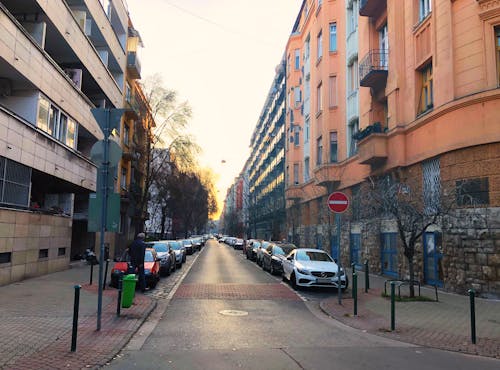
(338, 202)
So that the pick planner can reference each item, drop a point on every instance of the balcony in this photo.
(372, 147)
(327, 175)
(373, 69)
(132, 106)
(371, 8)
(133, 65)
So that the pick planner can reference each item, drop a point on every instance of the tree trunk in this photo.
(412, 276)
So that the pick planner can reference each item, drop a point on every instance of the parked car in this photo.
(251, 249)
(305, 267)
(238, 243)
(274, 255)
(179, 250)
(166, 255)
(122, 266)
(196, 243)
(230, 241)
(258, 252)
(188, 244)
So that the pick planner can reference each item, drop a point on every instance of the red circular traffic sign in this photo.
(338, 202)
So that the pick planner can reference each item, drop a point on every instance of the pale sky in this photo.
(220, 56)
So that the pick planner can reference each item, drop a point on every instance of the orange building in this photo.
(423, 106)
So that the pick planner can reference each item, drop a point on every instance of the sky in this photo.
(220, 56)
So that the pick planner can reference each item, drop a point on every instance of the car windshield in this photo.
(160, 247)
(255, 244)
(175, 245)
(283, 249)
(186, 242)
(148, 256)
(312, 256)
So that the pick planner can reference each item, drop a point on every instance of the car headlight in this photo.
(303, 272)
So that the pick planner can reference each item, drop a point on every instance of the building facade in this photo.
(58, 59)
(263, 176)
(420, 107)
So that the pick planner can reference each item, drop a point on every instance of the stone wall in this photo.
(24, 234)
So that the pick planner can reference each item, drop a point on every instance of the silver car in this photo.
(306, 267)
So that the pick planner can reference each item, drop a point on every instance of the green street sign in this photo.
(114, 152)
(112, 176)
(95, 210)
(108, 118)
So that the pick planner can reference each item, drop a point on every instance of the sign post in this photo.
(338, 204)
(105, 155)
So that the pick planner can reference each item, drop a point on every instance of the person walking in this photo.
(137, 251)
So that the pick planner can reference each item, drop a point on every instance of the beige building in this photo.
(58, 59)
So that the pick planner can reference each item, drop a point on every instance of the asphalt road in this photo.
(228, 314)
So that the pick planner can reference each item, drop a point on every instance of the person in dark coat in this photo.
(137, 250)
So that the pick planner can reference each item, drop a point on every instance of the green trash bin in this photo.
(128, 290)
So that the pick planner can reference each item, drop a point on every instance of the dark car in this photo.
(251, 249)
(166, 256)
(273, 256)
(196, 243)
(238, 243)
(188, 244)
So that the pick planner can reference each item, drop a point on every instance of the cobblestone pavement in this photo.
(443, 324)
(36, 318)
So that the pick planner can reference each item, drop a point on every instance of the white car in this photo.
(307, 267)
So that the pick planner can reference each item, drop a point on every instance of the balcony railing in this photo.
(373, 68)
(370, 8)
(133, 65)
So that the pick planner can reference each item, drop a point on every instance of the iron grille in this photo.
(431, 171)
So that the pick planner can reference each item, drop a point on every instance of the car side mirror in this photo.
(290, 258)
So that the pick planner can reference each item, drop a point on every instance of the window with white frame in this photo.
(352, 76)
(319, 150)
(298, 96)
(424, 9)
(320, 45)
(426, 92)
(297, 59)
(333, 36)
(56, 123)
(319, 99)
(333, 147)
(332, 91)
(307, 127)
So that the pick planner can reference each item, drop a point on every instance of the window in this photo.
(384, 47)
(352, 76)
(61, 251)
(296, 136)
(126, 133)
(319, 150)
(43, 253)
(15, 183)
(307, 48)
(296, 174)
(333, 147)
(308, 129)
(425, 9)
(332, 91)
(319, 106)
(320, 2)
(333, 36)
(123, 179)
(56, 123)
(298, 96)
(5, 257)
(320, 45)
(297, 59)
(431, 172)
(473, 192)
(353, 128)
(389, 253)
(288, 64)
(287, 175)
(306, 169)
(352, 17)
(128, 93)
(426, 95)
(497, 39)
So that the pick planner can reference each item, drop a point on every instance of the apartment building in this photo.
(421, 108)
(58, 59)
(264, 171)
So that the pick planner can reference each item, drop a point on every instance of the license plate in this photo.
(323, 281)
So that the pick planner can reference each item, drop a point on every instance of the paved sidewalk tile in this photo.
(36, 318)
(444, 324)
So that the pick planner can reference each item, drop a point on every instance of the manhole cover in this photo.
(233, 313)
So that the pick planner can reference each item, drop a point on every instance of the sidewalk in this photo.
(444, 324)
(36, 317)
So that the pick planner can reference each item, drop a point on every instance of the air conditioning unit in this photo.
(5, 87)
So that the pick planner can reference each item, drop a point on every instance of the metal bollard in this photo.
(367, 277)
(393, 306)
(355, 292)
(91, 270)
(119, 301)
(472, 295)
(76, 306)
(105, 274)
(353, 272)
